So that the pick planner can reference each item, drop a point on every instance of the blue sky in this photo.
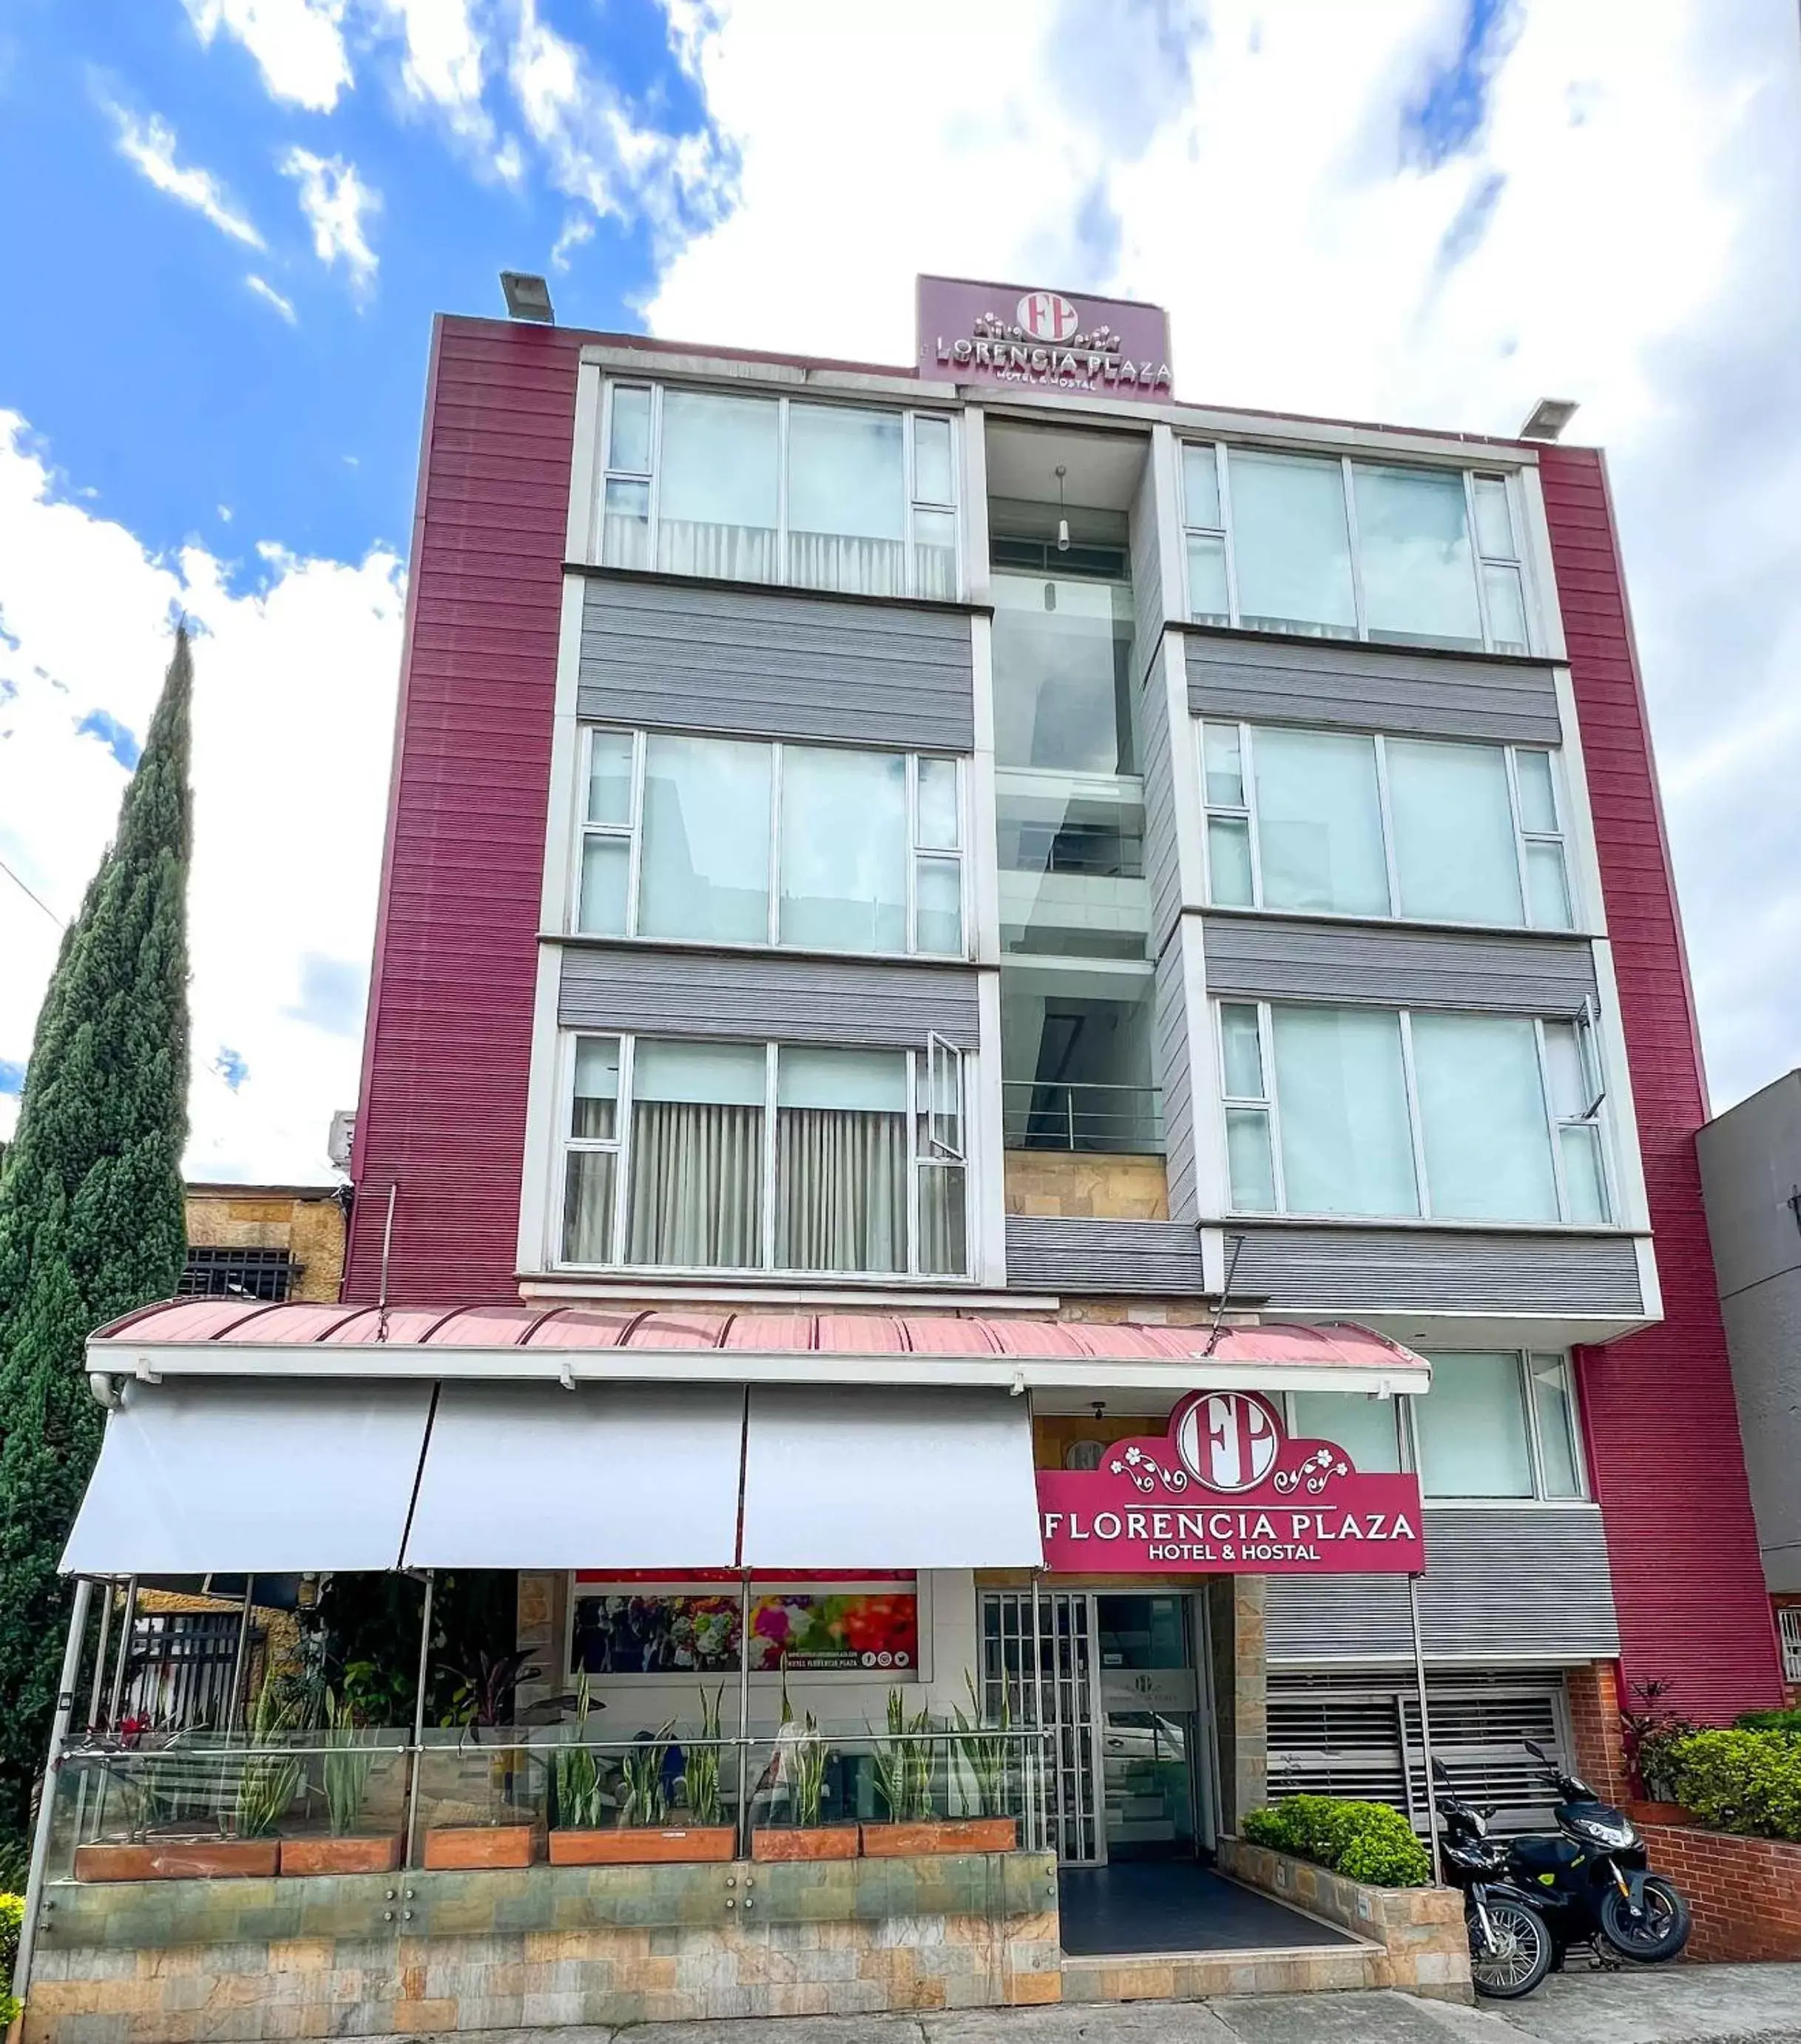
(238, 216)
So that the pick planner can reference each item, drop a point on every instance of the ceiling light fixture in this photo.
(1062, 512)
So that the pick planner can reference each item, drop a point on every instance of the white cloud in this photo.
(577, 228)
(443, 52)
(294, 704)
(270, 296)
(298, 44)
(338, 206)
(149, 146)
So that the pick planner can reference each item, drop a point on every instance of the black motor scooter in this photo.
(1510, 1947)
(1589, 1876)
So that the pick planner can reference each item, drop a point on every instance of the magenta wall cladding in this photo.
(447, 1045)
(1663, 1426)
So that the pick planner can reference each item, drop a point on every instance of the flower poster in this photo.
(648, 1631)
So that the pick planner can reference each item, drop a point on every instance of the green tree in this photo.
(91, 1222)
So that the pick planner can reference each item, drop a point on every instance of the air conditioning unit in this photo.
(343, 1135)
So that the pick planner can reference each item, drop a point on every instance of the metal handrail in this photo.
(1045, 1114)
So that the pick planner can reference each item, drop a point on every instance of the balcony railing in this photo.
(1119, 1120)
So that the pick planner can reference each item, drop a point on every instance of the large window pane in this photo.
(1455, 855)
(1413, 539)
(716, 512)
(1319, 823)
(1482, 1117)
(1292, 545)
(705, 857)
(696, 1195)
(1063, 697)
(1472, 1439)
(1343, 1097)
(846, 500)
(841, 1160)
(1364, 1427)
(844, 849)
(1556, 1409)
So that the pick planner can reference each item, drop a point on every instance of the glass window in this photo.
(588, 1176)
(1341, 1096)
(1473, 1431)
(1538, 792)
(939, 907)
(940, 824)
(1506, 595)
(844, 849)
(705, 859)
(1554, 1408)
(932, 461)
(934, 552)
(718, 514)
(1242, 1049)
(841, 1160)
(629, 443)
(1575, 1100)
(1413, 542)
(609, 777)
(1063, 698)
(1248, 1158)
(695, 1198)
(1224, 767)
(1364, 1427)
(1292, 545)
(1200, 487)
(1319, 822)
(1228, 861)
(1209, 601)
(625, 527)
(606, 877)
(1494, 521)
(1482, 1118)
(1455, 858)
(846, 501)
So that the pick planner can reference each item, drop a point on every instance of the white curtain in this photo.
(587, 1208)
(696, 1197)
(842, 561)
(1454, 854)
(1291, 545)
(1319, 823)
(735, 553)
(1482, 1118)
(1413, 546)
(844, 849)
(841, 1190)
(944, 1248)
(704, 866)
(1346, 1145)
(718, 491)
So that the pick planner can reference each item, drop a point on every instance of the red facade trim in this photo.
(447, 1046)
(1662, 1422)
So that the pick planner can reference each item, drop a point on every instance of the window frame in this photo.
(1246, 812)
(632, 832)
(1525, 1362)
(911, 505)
(1517, 562)
(1270, 1105)
(1788, 1633)
(620, 1145)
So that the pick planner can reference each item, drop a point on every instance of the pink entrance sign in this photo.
(1227, 1490)
(1005, 334)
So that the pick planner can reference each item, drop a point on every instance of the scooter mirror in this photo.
(1439, 1772)
(1537, 1752)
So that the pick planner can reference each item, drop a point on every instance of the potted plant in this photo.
(346, 1768)
(493, 1829)
(799, 1764)
(903, 1773)
(648, 1831)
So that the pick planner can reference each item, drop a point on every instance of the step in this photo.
(1203, 1976)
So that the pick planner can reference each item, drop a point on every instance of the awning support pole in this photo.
(1043, 1762)
(419, 1718)
(744, 1716)
(100, 1656)
(126, 1624)
(47, 1794)
(1425, 1729)
(239, 1702)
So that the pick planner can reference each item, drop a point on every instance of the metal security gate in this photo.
(1057, 1655)
(1356, 1732)
(180, 1670)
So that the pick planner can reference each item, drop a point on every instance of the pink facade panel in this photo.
(1663, 1426)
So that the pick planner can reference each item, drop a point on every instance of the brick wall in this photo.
(1745, 1892)
(1593, 1692)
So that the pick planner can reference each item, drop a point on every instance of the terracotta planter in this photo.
(180, 1859)
(820, 1841)
(341, 1855)
(456, 1847)
(628, 1847)
(940, 1834)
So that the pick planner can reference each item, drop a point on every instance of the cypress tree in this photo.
(91, 1218)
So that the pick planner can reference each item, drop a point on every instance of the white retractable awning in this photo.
(529, 1476)
(901, 1478)
(267, 1479)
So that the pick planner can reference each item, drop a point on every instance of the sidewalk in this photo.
(1668, 2005)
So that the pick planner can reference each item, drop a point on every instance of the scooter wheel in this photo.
(1518, 1957)
(1658, 1932)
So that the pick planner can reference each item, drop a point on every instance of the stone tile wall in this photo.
(1235, 1625)
(1085, 1185)
(231, 1961)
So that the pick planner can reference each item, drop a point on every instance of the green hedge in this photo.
(1747, 1781)
(12, 1915)
(1788, 1720)
(1366, 1841)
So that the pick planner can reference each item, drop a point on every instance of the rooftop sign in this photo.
(1043, 340)
(1227, 1490)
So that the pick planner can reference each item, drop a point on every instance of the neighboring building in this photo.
(1751, 1179)
(264, 1241)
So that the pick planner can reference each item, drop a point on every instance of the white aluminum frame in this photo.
(621, 1145)
(1270, 1105)
(1347, 462)
(1246, 812)
(633, 829)
(912, 503)
(1788, 1631)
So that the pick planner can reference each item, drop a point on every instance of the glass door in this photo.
(1149, 1707)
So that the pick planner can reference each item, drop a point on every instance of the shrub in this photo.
(12, 1915)
(1365, 1841)
(1788, 1720)
(1747, 1781)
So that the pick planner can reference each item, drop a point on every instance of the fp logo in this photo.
(1229, 1439)
(1045, 317)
